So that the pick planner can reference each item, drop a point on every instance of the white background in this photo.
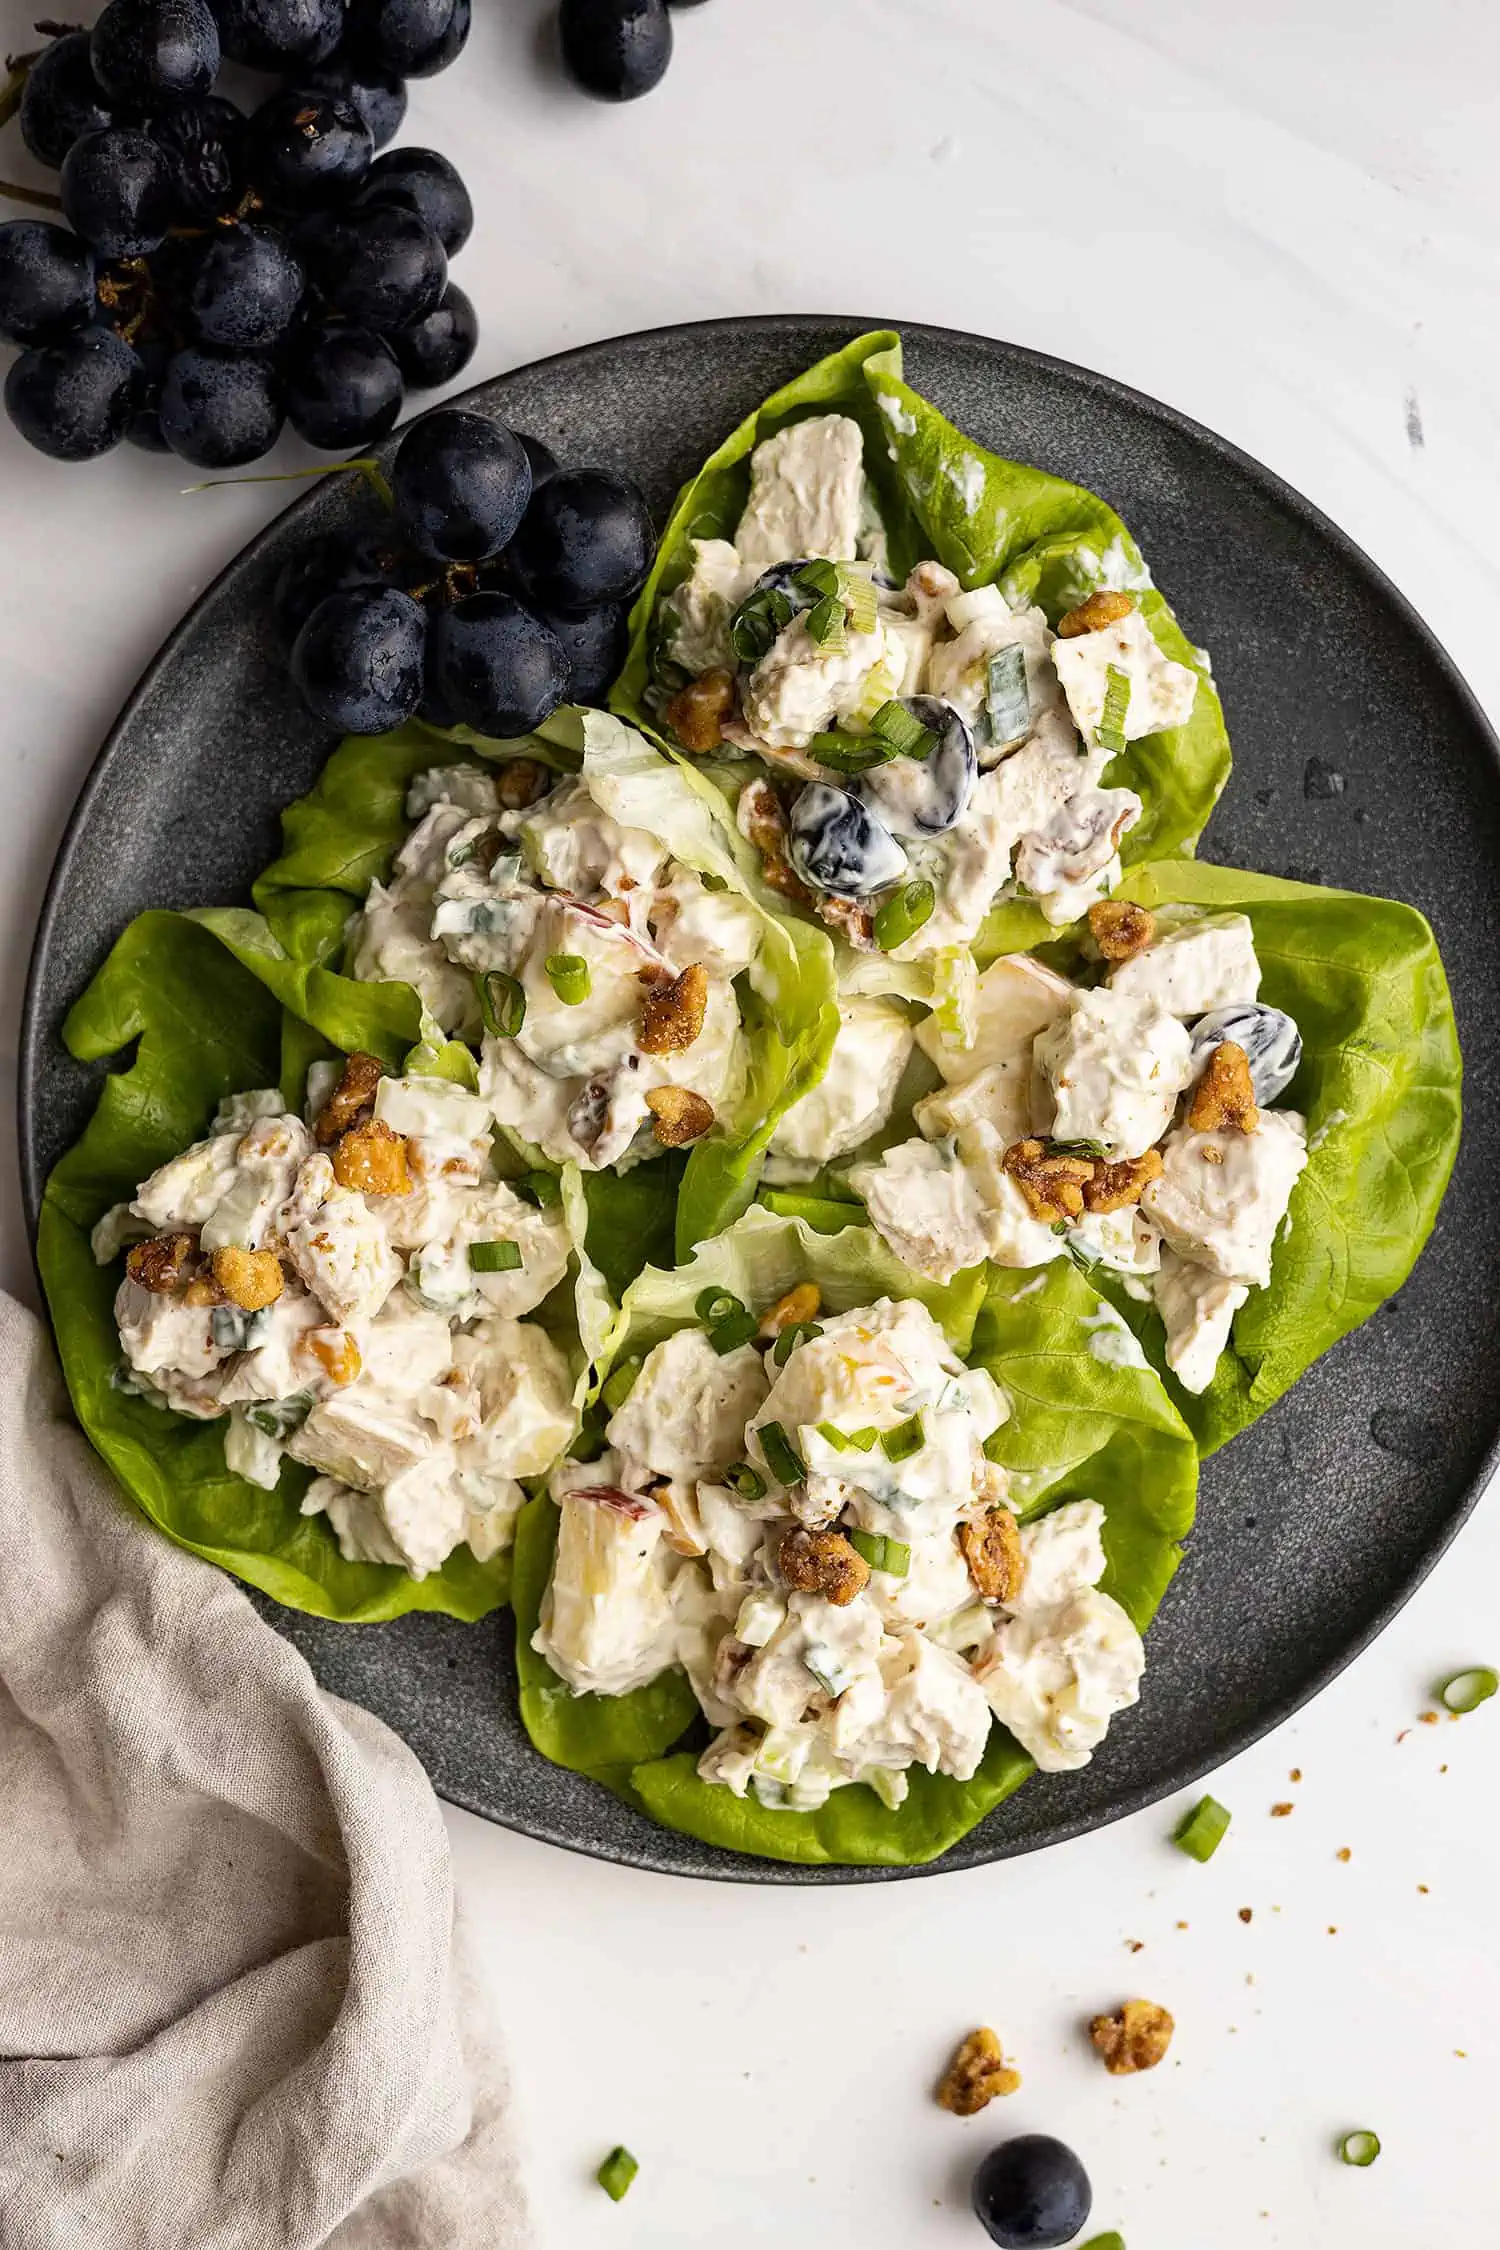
(1286, 228)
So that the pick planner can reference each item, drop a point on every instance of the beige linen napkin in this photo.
(228, 2010)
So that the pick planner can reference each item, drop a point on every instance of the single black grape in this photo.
(244, 288)
(117, 192)
(343, 388)
(460, 486)
(358, 661)
(413, 38)
(544, 462)
(594, 646)
(384, 268)
(1031, 2193)
(379, 95)
(308, 149)
(62, 100)
(495, 665)
(422, 181)
(46, 282)
(436, 348)
(74, 400)
(279, 34)
(616, 49)
(220, 410)
(586, 539)
(206, 145)
(149, 52)
(332, 564)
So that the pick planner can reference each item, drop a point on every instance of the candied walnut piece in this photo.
(203, 1291)
(850, 919)
(1052, 1185)
(1225, 1094)
(337, 1354)
(976, 2075)
(1105, 606)
(1135, 2038)
(991, 1546)
(681, 1116)
(798, 1305)
(696, 715)
(162, 1264)
(822, 1562)
(762, 823)
(672, 1012)
(249, 1278)
(1113, 1186)
(350, 1098)
(1121, 930)
(372, 1161)
(520, 783)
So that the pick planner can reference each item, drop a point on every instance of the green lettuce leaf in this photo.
(1088, 1420)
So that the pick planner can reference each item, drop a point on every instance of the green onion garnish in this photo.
(747, 1481)
(502, 1003)
(568, 975)
(782, 1458)
(1360, 2148)
(716, 1304)
(1467, 1690)
(904, 1440)
(616, 2173)
(902, 731)
(734, 1329)
(1007, 697)
(542, 1189)
(1105, 2242)
(756, 623)
(890, 1555)
(1203, 1830)
(494, 1257)
(849, 753)
(619, 1383)
(903, 913)
(827, 623)
(1110, 732)
(800, 1332)
(848, 1441)
(857, 592)
(819, 579)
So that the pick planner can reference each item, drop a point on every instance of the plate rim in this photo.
(838, 328)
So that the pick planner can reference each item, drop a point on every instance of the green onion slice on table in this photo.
(1203, 1830)
(616, 2173)
(1359, 2148)
(1465, 1691)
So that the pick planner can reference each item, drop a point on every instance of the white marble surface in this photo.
(1280, 220)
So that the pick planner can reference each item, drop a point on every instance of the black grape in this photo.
(331, 564)
(422, 181)
(244, 288)
(440, 345)
(379, 95)
(358, 661)
(206, 145)
(46, 282)
(74, 400)
(413, 38)
(616, 49)
(495, 666)
(149, 52)
(586, 539)
(117, 192)
(219, 410)
(279, 34)
(383, 268)
(460, 485)
(62, 100)
(594, 646)
(343, 388)
(308, 149)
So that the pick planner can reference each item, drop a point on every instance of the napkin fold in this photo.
(229, 2008)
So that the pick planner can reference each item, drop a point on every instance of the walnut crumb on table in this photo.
(1135, 2037)
(1280, 1811)
(1344, 1854)
(976, 2075)
(1246, 1913)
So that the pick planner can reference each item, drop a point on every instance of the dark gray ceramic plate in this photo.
(1315, 1525)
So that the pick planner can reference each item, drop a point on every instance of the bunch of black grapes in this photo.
(223, 274)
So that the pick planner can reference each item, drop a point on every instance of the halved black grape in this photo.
(343, 388)
(244, 287)
(279, 34)
(594, 646)
(332, 564)
(495, 665)
(74, 400)
(435, 349)
(46, 282)
(586, 539)
(149, 52)
(379, 95)
(414, 38)
(206, 145)
(422, 181)
(62, 100)
(616, 49)
(117, 192)
(308, 149)
(460, 485)
(358, 661)
(384, 268)
(220, 410)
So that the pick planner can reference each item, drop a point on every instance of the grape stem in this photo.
(370, 470)
(37, 196)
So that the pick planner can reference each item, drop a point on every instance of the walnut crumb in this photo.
(991, 1546)
(1135, 2038)
(681, 1116)
(1135, 1945)
(1295, 1774)
(204, 1291)
(1051, 1185)
(1105, 606)
(1430, 1718)
(1120, 929)
(1224, 1095)
(1279, 1812)
(1344, 1854)
(977, 2074)
(350, 1099)
(250, 1279)
(372, 1161)
(1114, 1187)
(673, 1010)
(697, 713)
(798, 1306)
(162, 1264)
(850, 919)
(520, 782)
(822, 1562)
(1246, 1913)
(762, 822)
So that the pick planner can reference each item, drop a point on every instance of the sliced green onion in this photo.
(849, 1441)
(568, 975)
(1467, 1690)
(1203, 1830)
(901, 915)
(904, 1440)
(756, 623)
(616, 2173)
(735, 1329)
(502, 1003)
(494, 1257)
(1007, 697)
(820, 579)
(902, 731)
(542, 1189)
(832, 1435)
(800, 1332)
(1110, 732)
(827, 623)
(619, 1383)
(890, 1555)
(716, 1304)
(1105, 2242)
(742, 1477)
(1094, 1149)
(849, 753)
(857, 593)
(1360, 2148)
(782, 1458)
